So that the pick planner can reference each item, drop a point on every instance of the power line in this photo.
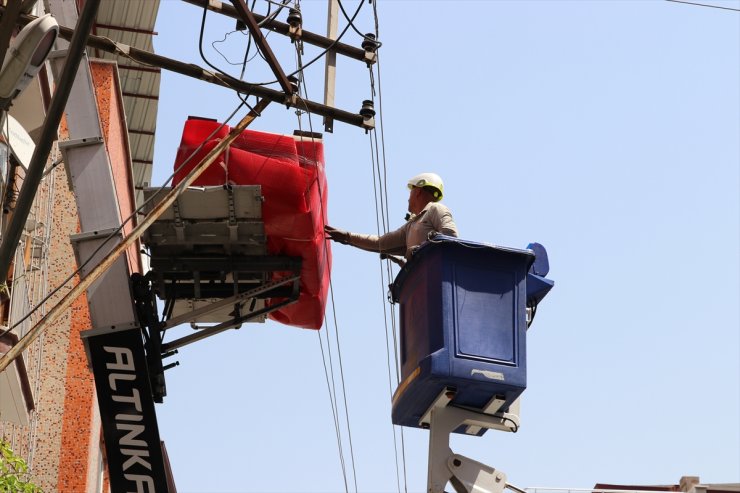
(329, 371)
(704, 5)
(302, 67)
(333, 303)
(382, 213)
(388, 264)
(332, 402)
(378, 212)
(320, 55)
(351, 23)
(268, 18)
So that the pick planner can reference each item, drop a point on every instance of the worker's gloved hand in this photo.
(337, 235)
(398, 261)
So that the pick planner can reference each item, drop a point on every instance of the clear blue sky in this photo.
(609, 131)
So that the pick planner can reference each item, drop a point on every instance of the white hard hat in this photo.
(431, 180)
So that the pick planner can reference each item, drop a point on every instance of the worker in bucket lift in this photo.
(427, 218)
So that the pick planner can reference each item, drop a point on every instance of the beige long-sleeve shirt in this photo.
(435, 217)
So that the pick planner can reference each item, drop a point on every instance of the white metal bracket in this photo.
(370, 58)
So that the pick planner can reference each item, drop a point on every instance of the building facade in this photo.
(48, 409)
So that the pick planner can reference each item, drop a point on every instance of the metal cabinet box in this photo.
(463, 325)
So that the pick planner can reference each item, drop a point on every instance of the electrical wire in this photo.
(382, 218)
(351, 23)
(218, 70)
(320, 55)
(243, 99)
(341, 374)
(394, 330)
(704, 5)
(202, 54)
(200, 43)
(333, 405)
(302, 85)
(379, 212)
(515, 426)
(246, 53)
(269, 16)
(223, 40)
(117, 230)
(246, 58)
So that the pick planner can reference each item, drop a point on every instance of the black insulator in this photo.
(295, 19)
(369, 43)
(368, 109)
(294, 82)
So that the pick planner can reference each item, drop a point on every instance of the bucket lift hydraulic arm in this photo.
(465, 475)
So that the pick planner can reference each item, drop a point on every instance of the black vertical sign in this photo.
(132, 443)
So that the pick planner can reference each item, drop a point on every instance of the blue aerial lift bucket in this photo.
(463, 322)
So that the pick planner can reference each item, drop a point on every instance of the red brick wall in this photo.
(77, 429)
(110, 106)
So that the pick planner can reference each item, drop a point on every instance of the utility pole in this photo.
(330, 68)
